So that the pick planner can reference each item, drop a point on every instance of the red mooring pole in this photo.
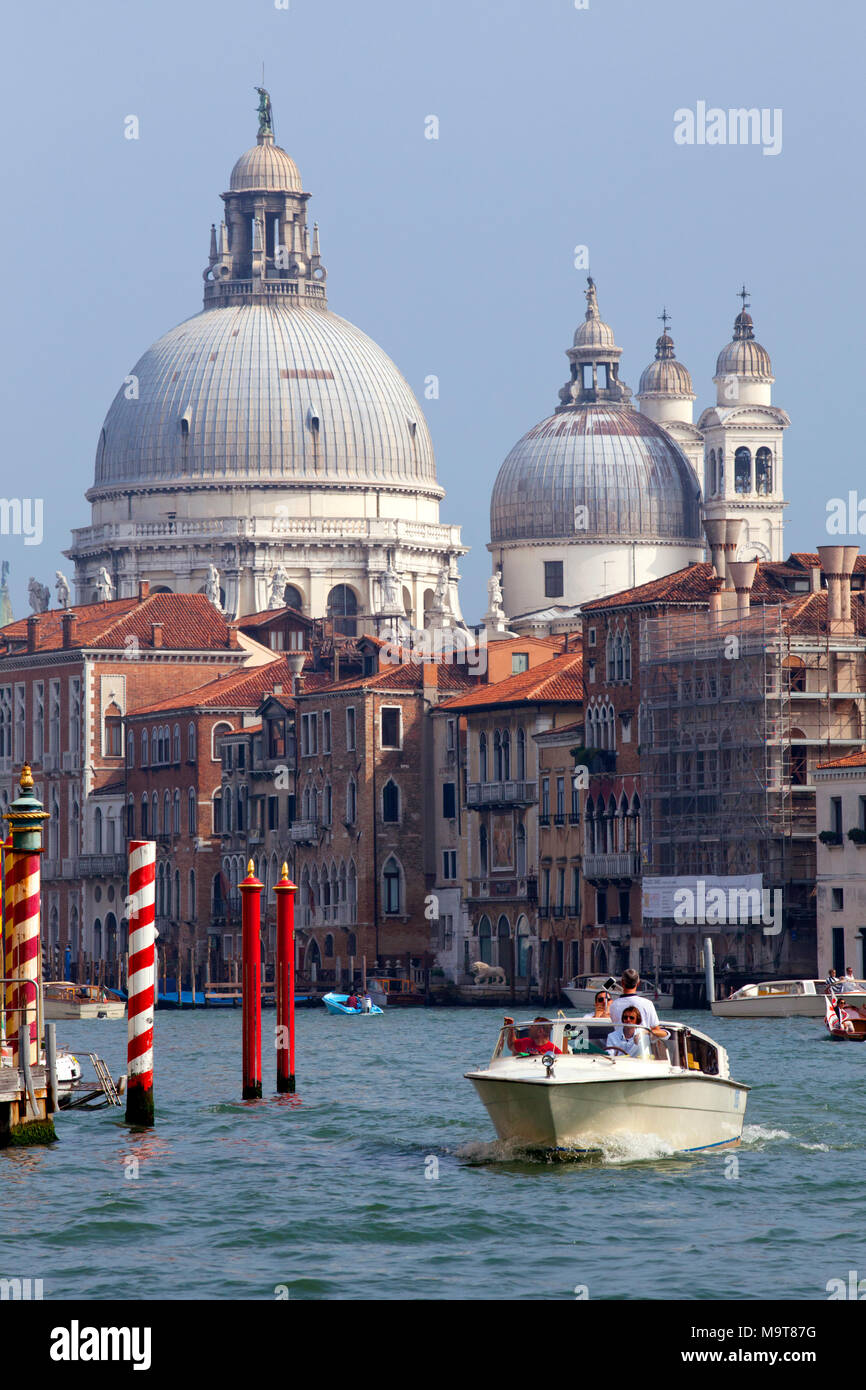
(285, 891)
(251, 908)
(141, 983)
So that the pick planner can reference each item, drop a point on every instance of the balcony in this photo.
(625, 864)
(101, 866)
(490, 889)
(501, 794)
(304, 832)
(71, 761)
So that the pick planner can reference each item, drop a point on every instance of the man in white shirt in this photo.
(630, 981)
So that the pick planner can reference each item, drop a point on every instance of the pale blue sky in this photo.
(556, 128)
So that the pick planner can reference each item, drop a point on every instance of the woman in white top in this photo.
(626, 1040)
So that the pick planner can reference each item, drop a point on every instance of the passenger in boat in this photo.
(534, 1041)
(625, 1040)
(352, 1001)
(630, 981)
(848, 983)
(833, 983)
(602, 1004)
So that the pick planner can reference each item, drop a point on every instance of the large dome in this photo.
(611, 459)
(266, 392)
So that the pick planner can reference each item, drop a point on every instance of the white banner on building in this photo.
(658, 893)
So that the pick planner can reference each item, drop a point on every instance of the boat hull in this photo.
(335, 1007)
(61, 1011)
(686, 1113)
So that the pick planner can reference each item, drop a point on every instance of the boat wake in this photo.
(758, 1134)
(608, 1149)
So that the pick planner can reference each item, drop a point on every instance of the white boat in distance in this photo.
(569, 1094)
(784, 999)
(581, 991)
(65, 1000)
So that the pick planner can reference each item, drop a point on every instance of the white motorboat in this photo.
(68, 1071)
(581, 991)
(65, 1000)
(566, 1092)
(784, 999)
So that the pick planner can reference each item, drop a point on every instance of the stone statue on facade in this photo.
(39, 596)
(390, 582)
(264, 110)
(277, 584)
(494, 591)
(104, 586)
(212, 586)
(62, 587)
(5, 601)
(442, 597)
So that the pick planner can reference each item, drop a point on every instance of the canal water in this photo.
(380, 1178)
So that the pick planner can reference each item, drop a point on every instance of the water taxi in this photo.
(581, 991)
(558, 1084)
(65, 1000)
(394, 991)
(783, 999)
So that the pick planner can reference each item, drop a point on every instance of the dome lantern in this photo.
(594, 358)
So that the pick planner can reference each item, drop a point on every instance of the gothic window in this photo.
(711, 473)
(191, 810)
(482, 757)
(391, 885)
(618, 657)
(742, 470)
(482, 849)
(521, 755)
(497, 756)
(506, 755)
(610, 660)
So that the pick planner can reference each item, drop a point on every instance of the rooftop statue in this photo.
(264, 108)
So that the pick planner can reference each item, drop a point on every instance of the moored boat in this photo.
(394, 991)
(581, 991)
(567, 1092)
(783, 999)
(65, 1000)
(336, 1004)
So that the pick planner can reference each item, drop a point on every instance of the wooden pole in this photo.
(284, 983)
(251, 907)
(141, 1003)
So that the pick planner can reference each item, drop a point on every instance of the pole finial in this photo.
(250, 868)
(284, 871)
(25, 781)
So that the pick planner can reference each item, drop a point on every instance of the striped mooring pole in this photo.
(8, 942)
(141, 983)
(25, 817)
(251, 908)
(285, 983)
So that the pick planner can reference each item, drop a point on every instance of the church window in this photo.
(342, 609)
(742, 470)
(553, 587)
(711, 472)
(390, 802)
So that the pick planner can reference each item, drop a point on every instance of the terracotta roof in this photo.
(268, 615)
(558, 680)
(849, 760)
(237, 690)
(408, 676)
(189, 623)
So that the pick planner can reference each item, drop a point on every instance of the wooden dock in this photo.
(21, 1121)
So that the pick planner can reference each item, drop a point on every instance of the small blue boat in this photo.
(336, 1004)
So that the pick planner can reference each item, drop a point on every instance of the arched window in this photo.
(175, 756)
(175, 817)
(711, 473)
(390, 801)
(155, 752)
(130, 749)
(221, 727)
(191, 810)
(720, 471)
(742, 470)
(166, 813)
(351, 801)
(503, 939)
(497, 756)
(154, 814)
(609, 657)
(191, 742)
(392, 895)
(192, 906)
(145, 818)
(176, 904)
(482, 757)
(483, 856)
(485, 951)
(130, 818)
(342, 608)
(351, 945)
(506, 755)
(626, 655)
(144, 753)
(293, 598)
(352, 891)
(329, 947)
(521, 848)
(618, 657)
(97, 832)
(763, 472)
(521, 755)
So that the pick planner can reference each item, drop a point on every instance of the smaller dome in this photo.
(666, 376)
(743, 356)
(265, 168)
(594, 333)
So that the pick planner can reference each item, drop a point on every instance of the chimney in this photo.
(156, 634)
(143, 590)
(815, 579)
(716, 587)
(715, 533)
(837, 562)
(295, 661)
(733, 528)
(742, 574)
(32, 624)
(67, 623)
(430, 681)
